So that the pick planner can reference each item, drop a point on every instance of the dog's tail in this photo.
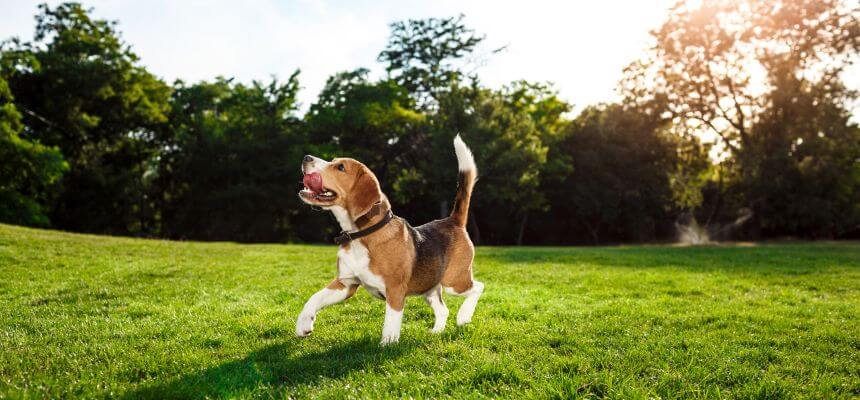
(465, 181)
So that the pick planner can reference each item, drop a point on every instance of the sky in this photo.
(580, 46)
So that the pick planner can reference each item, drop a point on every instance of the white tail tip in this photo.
(465, 161)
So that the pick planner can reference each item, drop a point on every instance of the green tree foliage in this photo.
(219, 160)
(229, 170)
(618, 189)
(780, 135)
(507, 130)
(423, 55)
(377, 123)
(28, 171)
(802, 173)
(81, 89)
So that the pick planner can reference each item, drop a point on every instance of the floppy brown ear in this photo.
(364, 194)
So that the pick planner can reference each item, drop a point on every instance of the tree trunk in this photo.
(593, 232)
(141, 195)
(522, 231)
(719, 203)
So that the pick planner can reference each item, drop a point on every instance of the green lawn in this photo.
(92, 316)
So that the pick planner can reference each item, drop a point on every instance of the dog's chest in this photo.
(354, 265)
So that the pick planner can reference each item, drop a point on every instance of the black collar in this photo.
(346, 237)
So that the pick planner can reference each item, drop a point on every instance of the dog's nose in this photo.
(308, 158)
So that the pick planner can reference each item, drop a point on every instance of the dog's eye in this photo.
(341, 167)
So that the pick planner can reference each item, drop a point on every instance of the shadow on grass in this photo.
(276, 367)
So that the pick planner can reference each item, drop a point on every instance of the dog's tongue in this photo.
(313, 181)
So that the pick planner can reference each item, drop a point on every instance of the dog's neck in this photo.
(343, 218)
(376, 214)
(348, 224)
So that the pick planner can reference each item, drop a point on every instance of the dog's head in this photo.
(340, 182)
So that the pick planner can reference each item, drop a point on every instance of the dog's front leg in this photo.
(394, 301)
(335, 292)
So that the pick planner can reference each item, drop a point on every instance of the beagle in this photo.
(383, 253)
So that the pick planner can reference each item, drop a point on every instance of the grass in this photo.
(92, 316)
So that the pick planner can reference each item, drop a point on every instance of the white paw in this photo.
(462, 320)
(439, 326)
(440, 319)
(389, 339)
(305, 325)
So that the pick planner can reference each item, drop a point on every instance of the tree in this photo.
(618, 188)
(80, 88)
(421, 55)
(804, 179)
(506, 130)
(28, 172)
(230, 165)
(702, 69)
(375, 122)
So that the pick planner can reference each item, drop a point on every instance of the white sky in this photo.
(579, 45)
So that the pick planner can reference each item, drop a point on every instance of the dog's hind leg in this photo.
(458, 279)
(440, 311)
(472, 294)
(335, 292)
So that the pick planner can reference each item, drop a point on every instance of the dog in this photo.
(383, 253)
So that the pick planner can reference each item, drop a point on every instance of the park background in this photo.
(733, 121)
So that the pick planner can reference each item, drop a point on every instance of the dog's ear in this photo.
(364, 194)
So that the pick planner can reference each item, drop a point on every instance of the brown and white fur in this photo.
(398, 260)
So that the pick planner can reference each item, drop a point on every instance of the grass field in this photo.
(91, 316)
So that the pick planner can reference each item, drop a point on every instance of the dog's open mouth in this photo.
(314, 189)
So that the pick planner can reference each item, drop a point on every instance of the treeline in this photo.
(91, 141)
